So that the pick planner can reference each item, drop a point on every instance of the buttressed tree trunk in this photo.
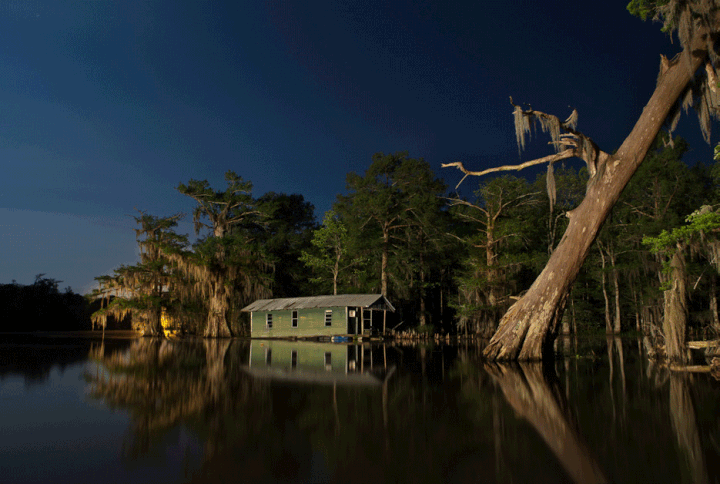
(217, 326)
(154, 324)
(528, 329)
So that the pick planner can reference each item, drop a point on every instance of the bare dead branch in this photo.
(568, 153)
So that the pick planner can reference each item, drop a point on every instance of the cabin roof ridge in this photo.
(307, 302)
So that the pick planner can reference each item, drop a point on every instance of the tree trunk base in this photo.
(217, 327)
(528, 330)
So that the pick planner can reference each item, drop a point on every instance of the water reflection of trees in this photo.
(634, 421)
(682, 413)
(694, 439)
(163, 383)
(34, 356)
(536, 397)
(442, 416)
(267, 431)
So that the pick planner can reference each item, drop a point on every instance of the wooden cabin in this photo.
(319, 316)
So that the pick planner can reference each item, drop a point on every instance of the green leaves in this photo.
(391, 213)
(645, 8)
(701, 224)
(331, 257)
(220, 210)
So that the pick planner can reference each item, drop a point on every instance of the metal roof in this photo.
(373, 301)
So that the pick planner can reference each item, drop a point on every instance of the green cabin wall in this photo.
(311, 322)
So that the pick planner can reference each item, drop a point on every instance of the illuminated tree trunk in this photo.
(527, 331)
(336, 272)
(154, 324)
(384, 261)
(492, 272)
(217, 326)
(608, 325)
(714, 303)
(616, 287)
(153, 327)
(675, 311)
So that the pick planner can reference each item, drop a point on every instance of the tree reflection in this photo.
(614, 346)
(283, 430)
(157, 381)
(682, 414)
(162, 383)
(240, 416)
(538, 399)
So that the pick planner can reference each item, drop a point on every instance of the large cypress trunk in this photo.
(149, 322)
(527, 331)
(217, 326)
(155, 323)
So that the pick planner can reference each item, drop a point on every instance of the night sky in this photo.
(106, 106)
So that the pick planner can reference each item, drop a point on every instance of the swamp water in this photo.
(142, 410)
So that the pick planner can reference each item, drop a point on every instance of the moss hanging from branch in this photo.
(141, 290)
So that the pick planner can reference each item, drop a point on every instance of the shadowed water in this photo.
(144, 410)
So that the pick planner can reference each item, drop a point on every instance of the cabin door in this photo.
(353, 320)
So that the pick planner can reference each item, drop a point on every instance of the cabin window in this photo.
(328, 361)
(293, 359)
(294, 319)
(328, 317)
(268, 320)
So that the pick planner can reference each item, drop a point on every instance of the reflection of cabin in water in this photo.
(306, 317)
(314, 362)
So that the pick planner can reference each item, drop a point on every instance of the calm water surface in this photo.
(141, 410)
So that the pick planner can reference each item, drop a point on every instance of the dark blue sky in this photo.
(105, 106)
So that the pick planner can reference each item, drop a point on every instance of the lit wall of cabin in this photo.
(311, 322)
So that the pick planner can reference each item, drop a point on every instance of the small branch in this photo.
(568, 153)
(690, 368)
(638, 211)
(524, 202)
(696, 345)
(453, 202)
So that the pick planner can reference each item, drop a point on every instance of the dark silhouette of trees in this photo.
(41, 306)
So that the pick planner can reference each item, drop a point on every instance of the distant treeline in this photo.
(41, 306)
